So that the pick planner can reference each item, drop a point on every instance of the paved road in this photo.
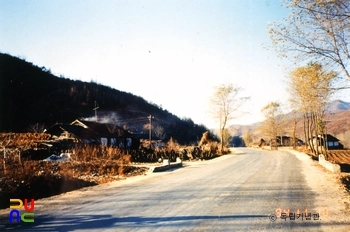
(232, 193)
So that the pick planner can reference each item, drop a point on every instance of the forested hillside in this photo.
(32, 95)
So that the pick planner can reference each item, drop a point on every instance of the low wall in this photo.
(166, 165)
(328, 165)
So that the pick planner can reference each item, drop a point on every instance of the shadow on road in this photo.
(97, 222)
(94, 222)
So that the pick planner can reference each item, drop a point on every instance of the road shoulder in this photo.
(331, 195)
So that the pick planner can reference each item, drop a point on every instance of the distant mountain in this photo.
(32, 95)
(337, 117)
(337, 106)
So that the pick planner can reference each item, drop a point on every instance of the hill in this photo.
(32, 95)
(337, 106)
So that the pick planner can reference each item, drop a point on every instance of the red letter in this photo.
(31, 205)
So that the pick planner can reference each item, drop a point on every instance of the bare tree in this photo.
(225, 105)
(310, 89)
(5, 143)
(295, 119)
(159, 131)
(248, 138)
(226, 138)
(315, 31)
(37, 128)
(272, 125)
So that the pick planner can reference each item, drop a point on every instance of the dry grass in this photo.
(22, 139)
(339, 156)
(89, 165)
(37, 179)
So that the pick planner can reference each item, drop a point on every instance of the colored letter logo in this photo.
(28, 216)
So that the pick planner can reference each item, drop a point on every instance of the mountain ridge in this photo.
(337, 106)
(30, 94)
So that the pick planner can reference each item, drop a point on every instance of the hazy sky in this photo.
(171, 53)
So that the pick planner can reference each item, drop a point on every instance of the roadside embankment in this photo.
(333, 167)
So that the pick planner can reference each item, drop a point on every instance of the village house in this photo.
(88, 132)
(287, 141)
(328, 141)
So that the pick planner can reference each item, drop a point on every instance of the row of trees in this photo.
(310, 88)
(316, 34)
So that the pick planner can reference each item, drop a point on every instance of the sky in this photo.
(171, 53)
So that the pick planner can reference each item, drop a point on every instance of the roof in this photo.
(330, 138)
(103, 129)
(88, 131)
(78, 132)
(286, 137)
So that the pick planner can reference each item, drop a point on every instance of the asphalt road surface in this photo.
(248, 191)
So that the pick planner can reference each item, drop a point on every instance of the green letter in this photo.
(27, 220)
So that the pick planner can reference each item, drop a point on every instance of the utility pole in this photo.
(95, 109)
(281, 140)
(150, 127)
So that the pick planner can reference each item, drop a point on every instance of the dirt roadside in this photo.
(331, 195)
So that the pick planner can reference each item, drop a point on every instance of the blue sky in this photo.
(171, 53)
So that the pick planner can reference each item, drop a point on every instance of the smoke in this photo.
(105, 117)
(131, 124)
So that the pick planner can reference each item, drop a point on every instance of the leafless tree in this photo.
(309, 87)
(159, 131)
(225, 106)
(5, 143)
(316, 30)
(272, 125)
(37, 128)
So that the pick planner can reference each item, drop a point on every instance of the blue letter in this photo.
(17, 214)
